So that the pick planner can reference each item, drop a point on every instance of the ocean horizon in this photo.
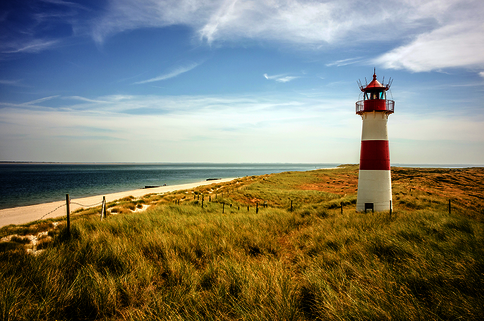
(29, 183)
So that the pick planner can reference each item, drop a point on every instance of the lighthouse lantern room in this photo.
(374, 178)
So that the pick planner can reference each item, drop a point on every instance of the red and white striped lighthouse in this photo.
(374, 181)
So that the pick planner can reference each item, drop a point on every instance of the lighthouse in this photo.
(374, 178)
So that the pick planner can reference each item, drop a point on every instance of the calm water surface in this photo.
(28, 184)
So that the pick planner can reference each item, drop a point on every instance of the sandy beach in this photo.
(26, 214)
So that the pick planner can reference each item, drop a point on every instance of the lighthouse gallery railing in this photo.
(389, 107)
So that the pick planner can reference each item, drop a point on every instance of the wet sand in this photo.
(26, 214)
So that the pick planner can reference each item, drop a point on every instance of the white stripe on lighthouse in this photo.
(374, 126)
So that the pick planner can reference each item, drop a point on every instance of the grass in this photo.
(185, 262)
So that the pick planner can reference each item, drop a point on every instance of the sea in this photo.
(24, 184)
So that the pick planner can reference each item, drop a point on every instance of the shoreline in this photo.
(30, 213)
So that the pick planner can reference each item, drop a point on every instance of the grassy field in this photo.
(246, 255)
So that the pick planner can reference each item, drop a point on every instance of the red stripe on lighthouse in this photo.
(375, 155)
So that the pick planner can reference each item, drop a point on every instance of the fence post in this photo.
(248, 208)
(68, 202)
(202, 201)
(103, 208)
(256, 208)
(390, 208)
(450, 208)
(291, 205)
(341, 207)
(223, 208)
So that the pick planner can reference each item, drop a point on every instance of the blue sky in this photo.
(237, 81)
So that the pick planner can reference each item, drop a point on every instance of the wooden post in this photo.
(341, 207)
(450, 208)
(291, 205)
(256, 208)
(103, 208)
(247, 208)
(390, 208)
(223, 208)
(68, 203)
(202, 201)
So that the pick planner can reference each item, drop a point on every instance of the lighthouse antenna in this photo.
(390, 81)
(359, 84)
(366, 82)
(383, 81)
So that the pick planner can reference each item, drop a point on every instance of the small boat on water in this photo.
(154, 186)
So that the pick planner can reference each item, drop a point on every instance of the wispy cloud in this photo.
(176, 72)
(86, 99)
(445, 33)
(456, 45)
(16, 83)
(67, 4)
(40, 100)
(344, 62)
(31, 46)
(280, 78)
(175, 124)
(430, 35)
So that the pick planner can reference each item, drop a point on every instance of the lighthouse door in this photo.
(369, 206)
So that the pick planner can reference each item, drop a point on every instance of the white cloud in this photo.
(439, 33)
(11, 82)
(456, 45)
(344, 62)
(32, 46)
(86, 99)
(238, 128)
(280, 78)
(40, 100)
(436, 34)
(289, 21)
(481, 74)
(171, 74)
(178, 128)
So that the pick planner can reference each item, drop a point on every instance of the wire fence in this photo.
(52, 211)
(70, 202)
(87, 206)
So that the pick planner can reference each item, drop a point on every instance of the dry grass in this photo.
(186, 262)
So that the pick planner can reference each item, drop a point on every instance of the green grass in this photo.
(182, 262)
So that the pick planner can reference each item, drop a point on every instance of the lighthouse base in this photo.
(374, 190)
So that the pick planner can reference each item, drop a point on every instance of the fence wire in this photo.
(52, 211)
(82, 205)
(87, 206)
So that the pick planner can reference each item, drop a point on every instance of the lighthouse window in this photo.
(374, 96)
